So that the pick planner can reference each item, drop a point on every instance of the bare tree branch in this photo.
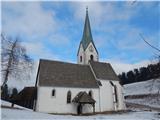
(149, 43)
(14, 58)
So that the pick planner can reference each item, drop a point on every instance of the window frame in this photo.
(90, 93)
(91, 57)
(69, 97)
(80, 58)
(53, 91)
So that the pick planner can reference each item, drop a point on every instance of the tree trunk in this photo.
(9, 64)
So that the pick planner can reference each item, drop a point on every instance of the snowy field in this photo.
(146, 87)
(23, 113)
(151, 102)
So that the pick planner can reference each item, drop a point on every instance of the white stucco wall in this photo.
(80, 53)
(121, 104)
(58, 103)
(86, 54)
(107, 96)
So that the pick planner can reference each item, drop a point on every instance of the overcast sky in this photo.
(53, 30)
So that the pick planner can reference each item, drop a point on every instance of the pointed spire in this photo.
(87, 10)
(87, 35)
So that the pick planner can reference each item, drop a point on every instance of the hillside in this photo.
(146, 87)
(143, 95)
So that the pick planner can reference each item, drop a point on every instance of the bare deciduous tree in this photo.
(14, 60)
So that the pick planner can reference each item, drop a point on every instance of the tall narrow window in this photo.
(90, 93)
(80, 58)
(69, 97)
(115, 92)
(53, 92)
(91, 57)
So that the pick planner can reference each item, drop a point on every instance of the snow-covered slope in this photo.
(144, 93)
(8, 105)
(146, 87)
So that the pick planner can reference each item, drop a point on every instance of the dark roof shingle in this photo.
(62, 74)
(103, 71)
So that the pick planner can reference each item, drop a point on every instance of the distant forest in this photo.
(152, 71)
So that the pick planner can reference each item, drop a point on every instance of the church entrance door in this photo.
(79, 109)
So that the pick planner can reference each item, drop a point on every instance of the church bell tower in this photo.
(87, 50)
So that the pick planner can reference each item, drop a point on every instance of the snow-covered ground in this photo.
(149, 101)
(8, 104)
(24, 114)
(149, 88)
(14, 114)
(146, 87)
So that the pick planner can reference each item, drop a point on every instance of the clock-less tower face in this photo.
(91, 49)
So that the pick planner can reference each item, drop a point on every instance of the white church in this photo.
(89, 86)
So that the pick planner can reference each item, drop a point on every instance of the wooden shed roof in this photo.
(83, 97)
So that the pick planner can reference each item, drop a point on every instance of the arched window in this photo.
(90, 93)
(69, 97)
(91, 57)
(53, 92)
(80, 58)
